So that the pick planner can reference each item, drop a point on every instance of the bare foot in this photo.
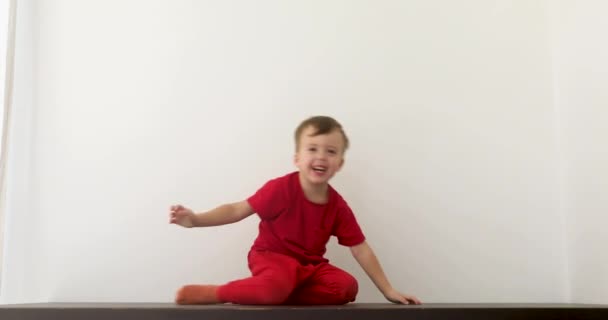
(197, 294)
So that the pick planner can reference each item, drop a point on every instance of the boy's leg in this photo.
(327, 285)
(274, 276)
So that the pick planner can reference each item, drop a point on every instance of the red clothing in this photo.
(280, 279)
(286, 260)
(294, 226)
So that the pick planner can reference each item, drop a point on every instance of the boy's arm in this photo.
(224, 214)
(366, 258)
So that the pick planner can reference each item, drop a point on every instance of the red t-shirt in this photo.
(293, 225)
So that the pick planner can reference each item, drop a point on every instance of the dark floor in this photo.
(358, 311)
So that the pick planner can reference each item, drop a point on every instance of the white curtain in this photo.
(7, 50)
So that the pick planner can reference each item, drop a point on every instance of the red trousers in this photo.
(280, 279)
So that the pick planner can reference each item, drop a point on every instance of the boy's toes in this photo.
(180, 296)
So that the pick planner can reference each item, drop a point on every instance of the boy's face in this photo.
(319, 157)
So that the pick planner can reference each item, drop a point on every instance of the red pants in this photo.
(280, 279)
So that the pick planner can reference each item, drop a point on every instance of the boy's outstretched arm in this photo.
(224, 214)
(366, 258)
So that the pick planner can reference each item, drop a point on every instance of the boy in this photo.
(299, 212)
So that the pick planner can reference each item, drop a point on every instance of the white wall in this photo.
(22, 258)
(582, 84)
(449, 106)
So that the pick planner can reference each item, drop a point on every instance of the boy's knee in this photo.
(350, 289)
(344, 290)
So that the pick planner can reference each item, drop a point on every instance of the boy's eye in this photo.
(332, 151)
(312, 149)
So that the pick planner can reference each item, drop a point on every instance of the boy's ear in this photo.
(341, 164)
(296, 158)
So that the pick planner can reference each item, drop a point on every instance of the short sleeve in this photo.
(346, 228)
(269, 200)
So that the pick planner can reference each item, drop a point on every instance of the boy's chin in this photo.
(318, 179)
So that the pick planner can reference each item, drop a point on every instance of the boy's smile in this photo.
(319, 157)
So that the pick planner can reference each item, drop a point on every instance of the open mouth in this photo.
(319, 169)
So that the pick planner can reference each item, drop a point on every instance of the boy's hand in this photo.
(395, 296)
(182, 216)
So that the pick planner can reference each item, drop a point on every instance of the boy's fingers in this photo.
(415, 300)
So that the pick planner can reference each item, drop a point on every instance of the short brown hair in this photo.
(322, 125)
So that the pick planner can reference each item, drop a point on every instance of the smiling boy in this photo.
(299, 212)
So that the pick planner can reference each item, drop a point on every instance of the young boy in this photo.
(299, 212)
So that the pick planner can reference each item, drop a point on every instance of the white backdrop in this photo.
(454, 171)
(582, 99)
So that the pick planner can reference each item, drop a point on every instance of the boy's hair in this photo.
(322, 125)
